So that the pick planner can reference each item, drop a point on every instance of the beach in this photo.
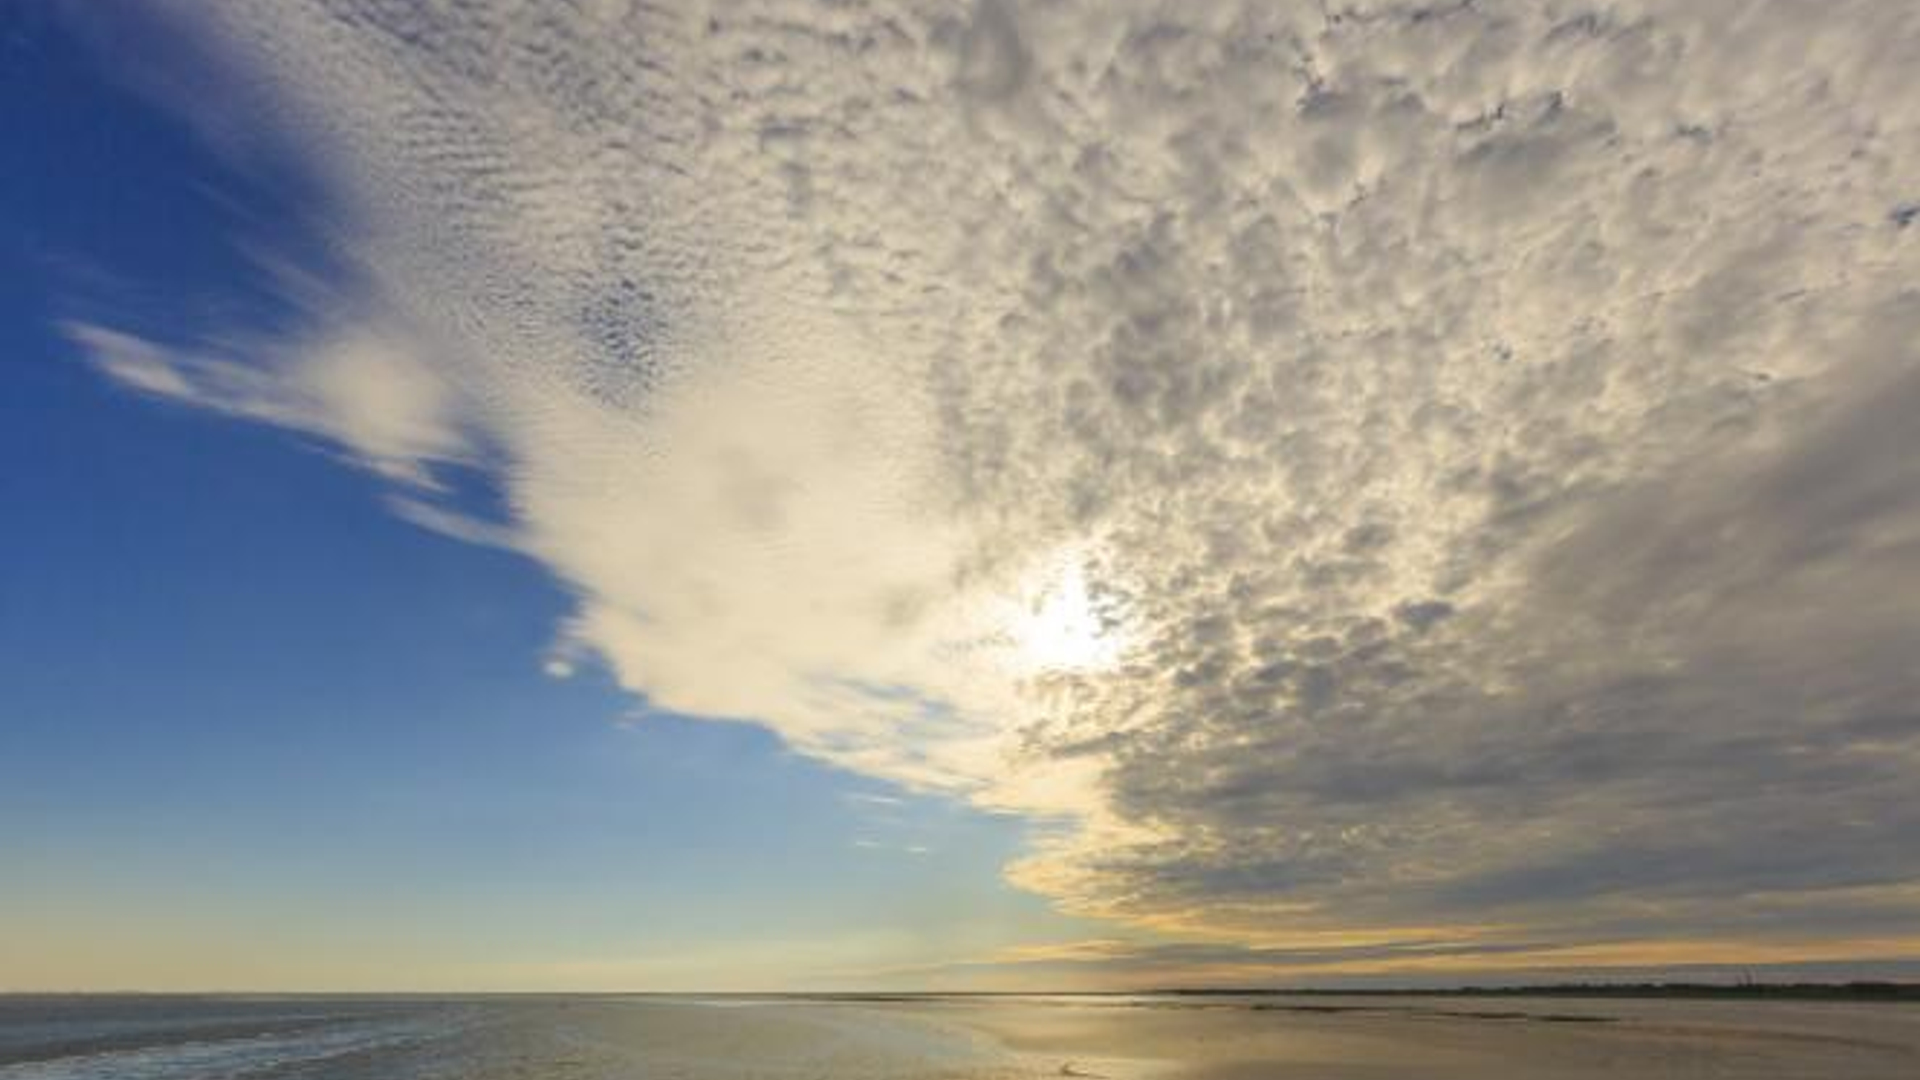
(955, 1037)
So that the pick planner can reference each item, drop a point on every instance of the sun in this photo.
(1058, 624)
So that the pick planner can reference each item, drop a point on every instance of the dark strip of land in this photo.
(1796, 991)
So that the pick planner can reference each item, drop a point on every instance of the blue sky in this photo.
(994, 494)
(249, 710)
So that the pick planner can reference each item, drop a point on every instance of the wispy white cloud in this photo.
(366, 393)
(1444, 424)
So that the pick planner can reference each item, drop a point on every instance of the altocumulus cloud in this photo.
(1424, 479)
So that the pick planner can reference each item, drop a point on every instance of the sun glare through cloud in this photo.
(1057, 624)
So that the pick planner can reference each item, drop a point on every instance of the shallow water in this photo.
(603, 1038)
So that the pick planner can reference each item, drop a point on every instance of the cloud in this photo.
(1472, 438)
(361, 390)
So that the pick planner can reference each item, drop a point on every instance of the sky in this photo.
(609, 495)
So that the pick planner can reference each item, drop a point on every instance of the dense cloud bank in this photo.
(1437, 474)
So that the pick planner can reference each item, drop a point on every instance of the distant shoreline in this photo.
(1884, 991)
(1798, 991)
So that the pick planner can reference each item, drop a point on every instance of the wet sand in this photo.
(1439, 1038)
(952, 1038)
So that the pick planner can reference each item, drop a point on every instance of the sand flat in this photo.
(954, 1038)
(1442, 1037)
